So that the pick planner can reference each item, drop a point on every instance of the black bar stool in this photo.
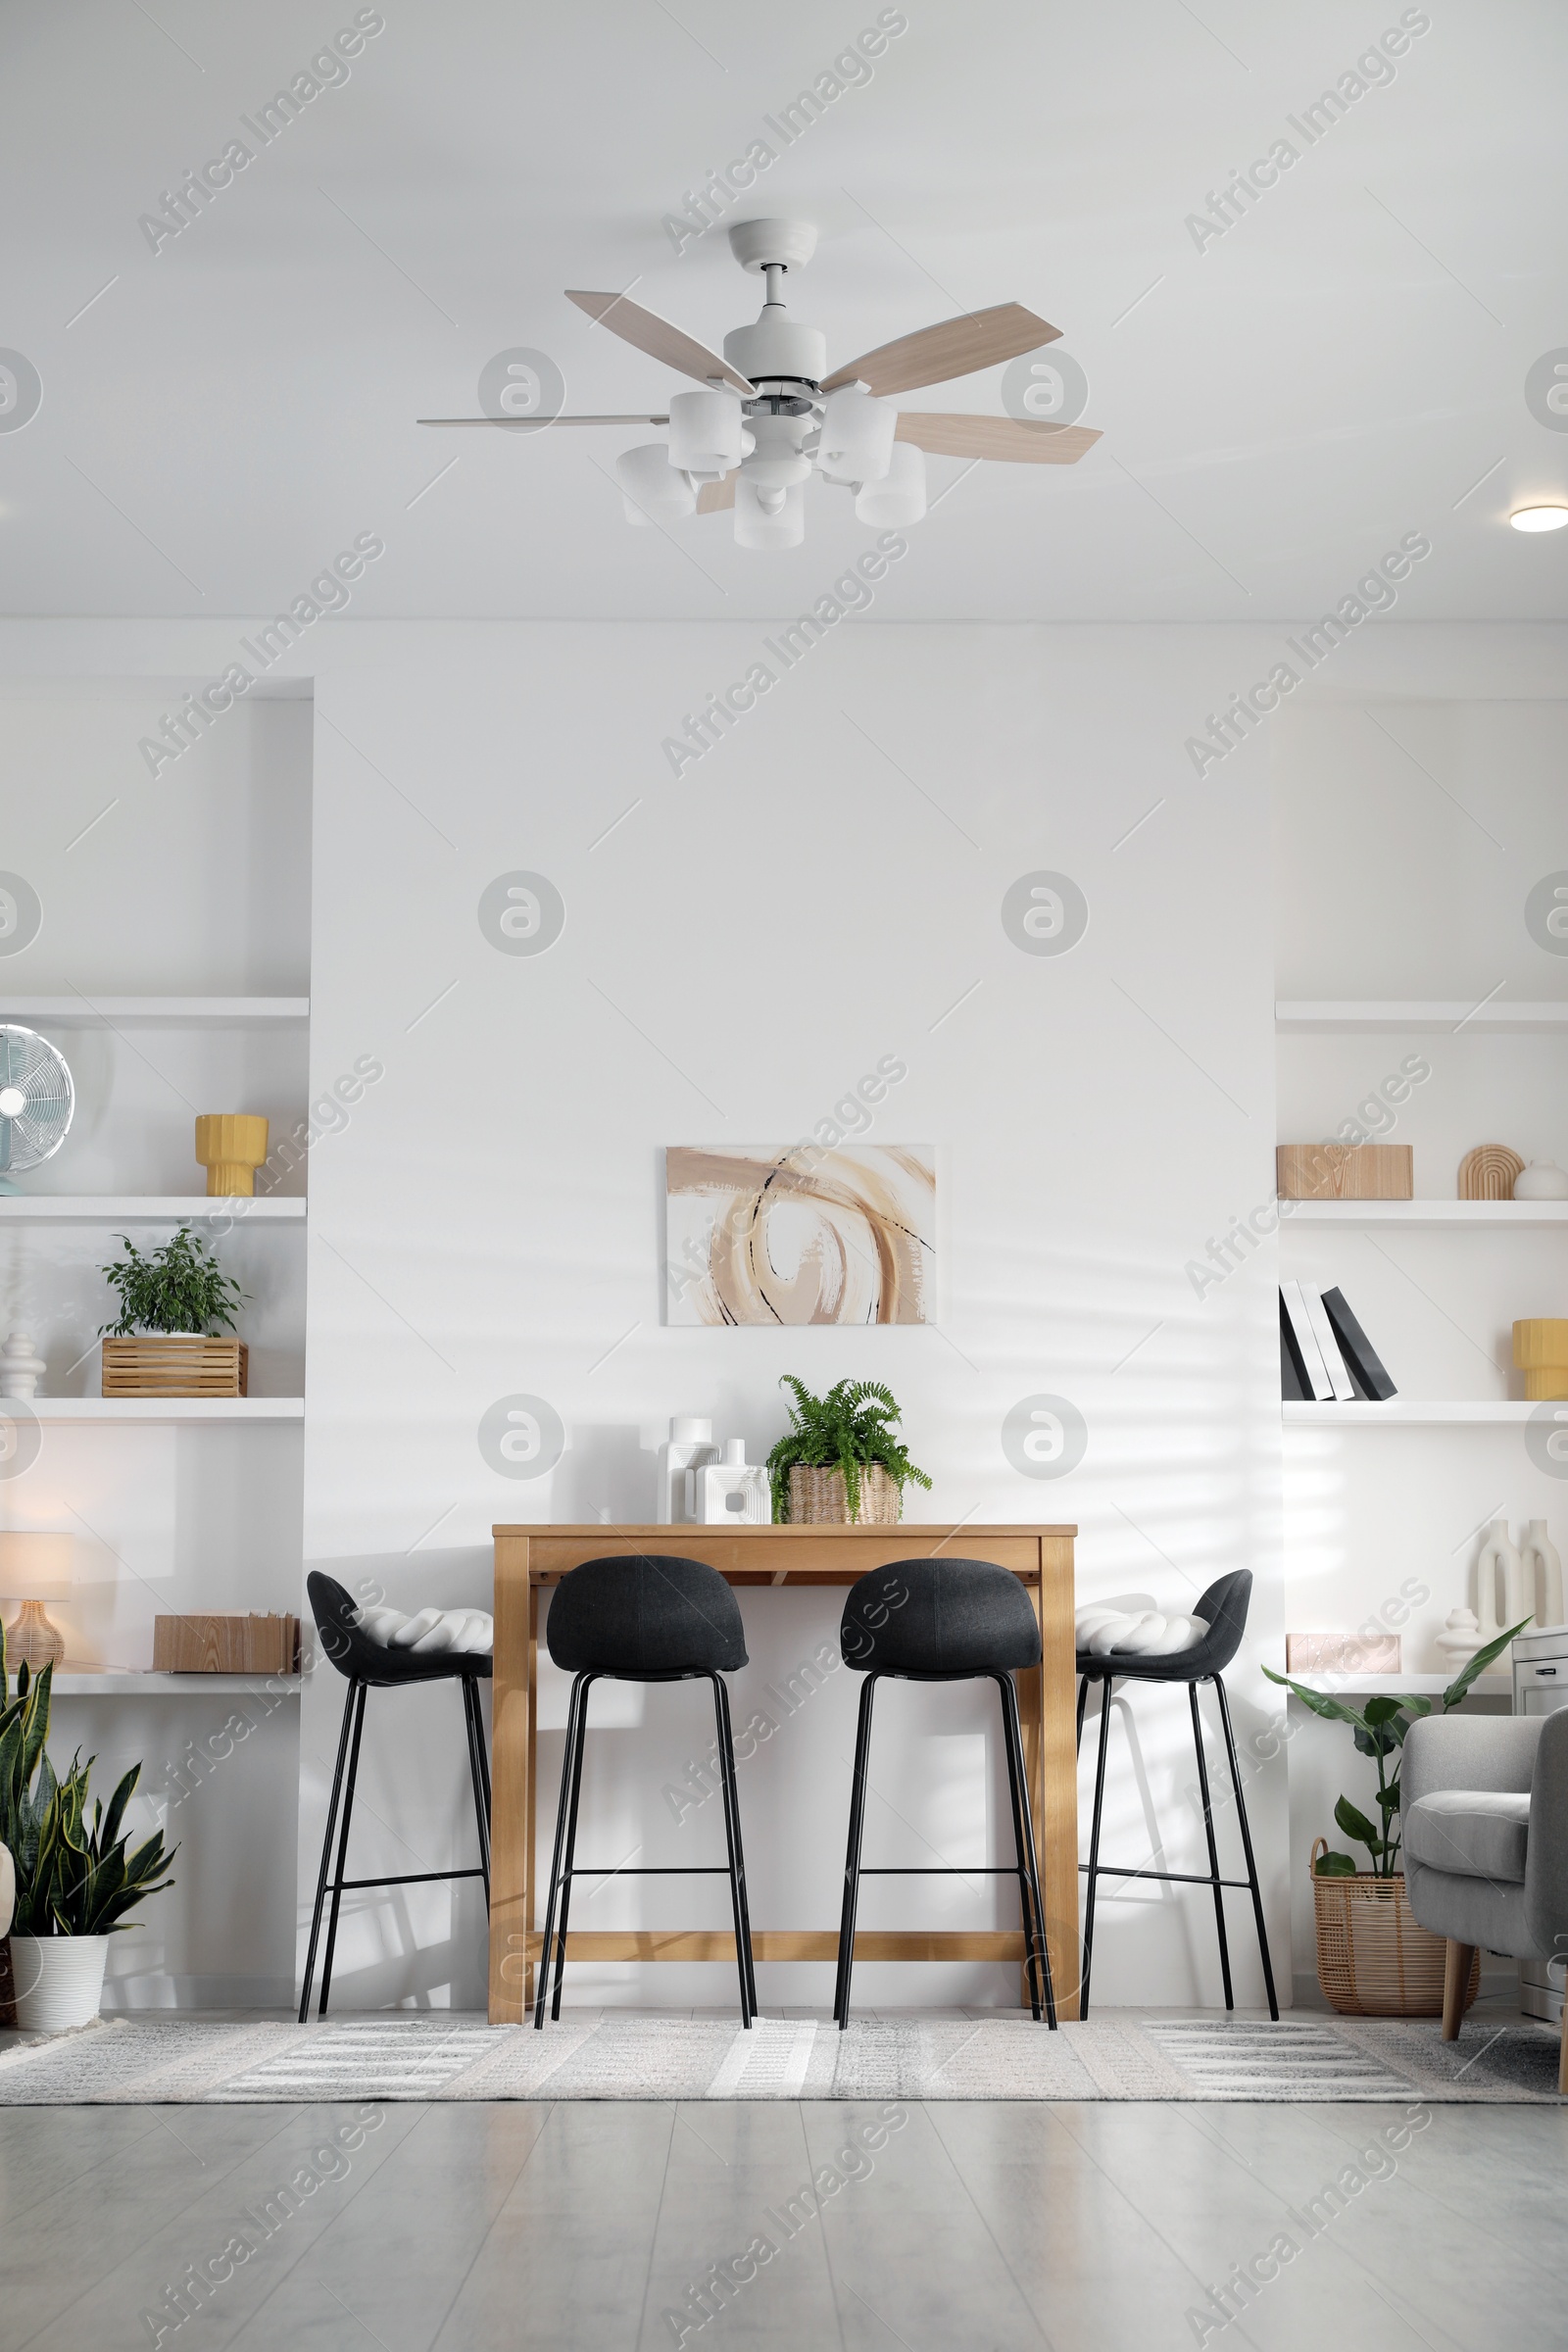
(646, 1617)
(944, 1621)
(1224, 1607)
(368, 1666)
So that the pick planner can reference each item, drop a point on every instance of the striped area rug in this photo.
(625, 2054)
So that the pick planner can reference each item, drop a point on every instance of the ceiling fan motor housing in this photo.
(779, 461)
(778, 346)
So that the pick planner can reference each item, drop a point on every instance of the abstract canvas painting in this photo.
(801, 1234)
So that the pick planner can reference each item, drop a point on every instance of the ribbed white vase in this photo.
(58, 1980)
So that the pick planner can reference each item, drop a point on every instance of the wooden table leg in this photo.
(1052, 1766)
(513, 1743)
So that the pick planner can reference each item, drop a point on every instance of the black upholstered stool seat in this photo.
(944, 1621)
(1223, 1607)
(366, 1666)
(643, 1617)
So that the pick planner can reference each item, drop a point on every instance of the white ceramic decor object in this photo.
(732, 1492)
(8, 1890)
(58, 1980)
(1499, 1564)
(1543, 1574)
(1460, 1638)
(22, 1367)
(1543, 1180)
(688, 1446)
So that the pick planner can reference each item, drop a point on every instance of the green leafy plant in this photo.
(1379, 1727)
(73, 1876)
(848, 1428)
(179, 1288)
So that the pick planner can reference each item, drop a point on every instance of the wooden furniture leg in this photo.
(1457, 1961)
(1052, 1766)
(512, 1746)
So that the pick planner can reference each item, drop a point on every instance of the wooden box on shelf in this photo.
(1345, 1171)
(1343, 1654)
(207, 1645)
(174, 1364)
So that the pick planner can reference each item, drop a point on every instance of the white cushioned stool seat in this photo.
(1472, 1832)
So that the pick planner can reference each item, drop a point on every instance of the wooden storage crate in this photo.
(1345, 1171)
(174, 1364)
(210, 1645)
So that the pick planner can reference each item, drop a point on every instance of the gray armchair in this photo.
(1484, 1812)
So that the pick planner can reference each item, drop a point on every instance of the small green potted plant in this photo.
(1374, 1958)
(74, 1880)
(174, 1301)
(839, 1460)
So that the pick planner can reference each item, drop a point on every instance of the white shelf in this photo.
(154, 1012)
(1402, 1413)
(1424, 1213)
(1427, 1685)
(161, 1408)
(145, 1208)
(1344, 1016)
(87, 1682)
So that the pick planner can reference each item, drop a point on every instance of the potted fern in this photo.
(74, 1879)
(839, 1460)
(1374, 1958)
(173, 1302)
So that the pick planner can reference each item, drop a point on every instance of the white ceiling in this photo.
(1336, 370)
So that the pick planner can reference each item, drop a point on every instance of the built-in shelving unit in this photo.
(94, 1682)
(1404, 1412)
(93, 1209)
(1340, 1018)
(156, 1012)
(166, 1409)
(1495, 1213)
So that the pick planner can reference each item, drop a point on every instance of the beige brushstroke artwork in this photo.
(801, 1235)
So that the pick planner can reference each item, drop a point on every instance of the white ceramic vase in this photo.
(1460, 1638)
(1499, 1559)
(1543, 1573)
(1543, 1180)
(58, 1980)
(8, 1889)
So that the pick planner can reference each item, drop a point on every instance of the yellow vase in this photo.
(230, 1146)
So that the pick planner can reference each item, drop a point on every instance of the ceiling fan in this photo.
(769, 414)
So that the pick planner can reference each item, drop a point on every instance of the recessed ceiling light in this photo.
(1540, 518)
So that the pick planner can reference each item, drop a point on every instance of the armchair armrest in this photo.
(1472, 1751)
(1546, 1862)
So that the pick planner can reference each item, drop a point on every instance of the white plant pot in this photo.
(58, 1980)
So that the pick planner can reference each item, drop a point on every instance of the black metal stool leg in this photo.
(326, 1850)
(1083, 1693)
(481, 1812)
(1094, 1846)
(342, 1850)
(732, 1844)
(851, 1858)
(554, 1860)
(1247, 1848)
(571, 1847)
(1032, 1902)
(1213, 1850)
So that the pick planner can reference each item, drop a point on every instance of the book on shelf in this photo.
(1325, 1356)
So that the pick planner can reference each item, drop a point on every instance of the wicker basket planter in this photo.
(1374, 1957)
(818, 1498)
(174, 1364)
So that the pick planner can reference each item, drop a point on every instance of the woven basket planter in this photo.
(818, 1498)
(1374, 1957)
(174, 1364)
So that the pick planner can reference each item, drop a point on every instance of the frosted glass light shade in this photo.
(898, 499)
(706, 431)
(857, 441)
(756, 527)
(34, 1567)
(652, 485)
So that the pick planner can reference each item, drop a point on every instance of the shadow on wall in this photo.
(606, 1476)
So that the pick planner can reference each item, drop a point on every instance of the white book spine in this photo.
(1312, 1355)
(1333, 1362)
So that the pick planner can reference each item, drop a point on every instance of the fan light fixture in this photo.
(1539, 518)
(771, 414)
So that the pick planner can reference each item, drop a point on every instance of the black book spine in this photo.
(1366, 1367)
(1295, 1387)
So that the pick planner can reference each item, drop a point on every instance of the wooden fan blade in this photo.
(957, 347)
(539, 424)
(1005, 437)
(662, 341)
(716, 498)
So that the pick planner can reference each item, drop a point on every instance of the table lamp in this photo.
(33, 1569)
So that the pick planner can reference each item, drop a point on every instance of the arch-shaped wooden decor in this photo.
(1488, 1173)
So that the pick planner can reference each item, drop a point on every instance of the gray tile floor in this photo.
(984, 2228)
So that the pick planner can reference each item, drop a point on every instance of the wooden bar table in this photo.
(531, 1557)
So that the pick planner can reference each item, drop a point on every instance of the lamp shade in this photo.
(898, 499)
(34, 1567)
(651, 486)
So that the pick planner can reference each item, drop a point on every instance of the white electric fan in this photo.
(36, 1101)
